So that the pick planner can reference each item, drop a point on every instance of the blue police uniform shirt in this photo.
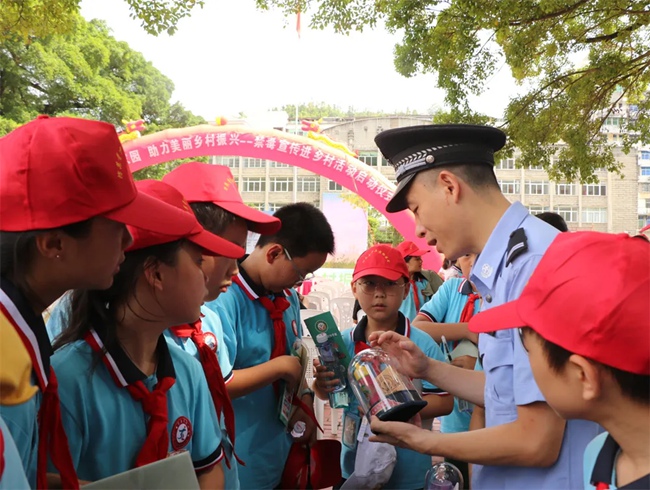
(211, 325)
(600, 465)
(12, 476)
(446, 306)
(411, 467)
(408, 308)
(262, 440)
(500, 273)
(106, 427)
(22, 419)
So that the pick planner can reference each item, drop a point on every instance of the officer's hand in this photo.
(290, 370)
(323, 378)
(408, 357)
(400, 434)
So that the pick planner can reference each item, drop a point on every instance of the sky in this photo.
(230, 57)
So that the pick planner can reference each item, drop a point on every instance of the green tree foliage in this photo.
(84, 73)
(378, 230)
(315, 111)
(23, 19)
(577, 59)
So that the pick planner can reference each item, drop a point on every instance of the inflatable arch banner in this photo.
(314, 155)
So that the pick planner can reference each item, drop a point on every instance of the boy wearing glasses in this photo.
(380, 283)
(263, 312)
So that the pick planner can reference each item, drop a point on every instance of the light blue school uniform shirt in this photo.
(212, 328)
(600, 465)
(411, 467)
(58, 319)
(262, 440)
(22, 419)
(500, 273)
(106, 427)
(446, 306)
(12, 476)
(408, 308)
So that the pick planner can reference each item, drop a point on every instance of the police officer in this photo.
(446, 177)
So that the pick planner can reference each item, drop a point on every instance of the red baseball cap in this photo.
(63, 170)
(590, 295)
(410, 249)
(210, 243)
(202, 182)
(383, 261)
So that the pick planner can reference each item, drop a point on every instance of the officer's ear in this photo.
(450, 184)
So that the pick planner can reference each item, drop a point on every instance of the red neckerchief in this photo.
(468, 309)
(154, 404)
(214, 377)
(416, 297)
(52, 439)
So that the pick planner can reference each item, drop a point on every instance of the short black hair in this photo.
(553, 219)
(304, 230)
(634, 386)
(476, 175)
(213, 218)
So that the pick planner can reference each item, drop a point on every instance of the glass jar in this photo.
(380, 389)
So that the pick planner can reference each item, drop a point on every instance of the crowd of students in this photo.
(166, 338)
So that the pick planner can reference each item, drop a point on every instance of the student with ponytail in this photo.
(65, 196)
(127, 398)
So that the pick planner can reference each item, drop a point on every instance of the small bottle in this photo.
(329, 358)
(443, 476)
(299, 429)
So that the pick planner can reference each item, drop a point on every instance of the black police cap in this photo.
(413, 149)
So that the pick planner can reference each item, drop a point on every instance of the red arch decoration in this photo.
(270, 144)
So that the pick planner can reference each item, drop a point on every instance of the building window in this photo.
(254, 163)
(384, 162)
(612, 121)
(333, 186)
(644, 155)
(536, 187)
(278, 165)
(535, 167)
(564, 189)
(368, 157)
(594, 215)
(594, 190)
(645, 171)
(645, 187)
(281, 184)
(232, 162)
(509, 186)
(274, 206)
(308, 184)
(254, 184)
(507, 164)
(569, 214)
(534, 209)
(256, 205)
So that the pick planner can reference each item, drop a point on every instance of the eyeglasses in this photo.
(390, 288)
(301, 277)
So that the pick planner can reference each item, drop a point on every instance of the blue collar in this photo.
(487, 265)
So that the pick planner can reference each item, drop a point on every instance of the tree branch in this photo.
(550, 15)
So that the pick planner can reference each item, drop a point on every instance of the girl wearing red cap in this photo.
(127, 399)
(65, 195)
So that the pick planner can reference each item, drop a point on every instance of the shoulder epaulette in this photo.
(517, 245)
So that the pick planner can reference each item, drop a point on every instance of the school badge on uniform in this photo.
(210, 340)
(181, 433)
